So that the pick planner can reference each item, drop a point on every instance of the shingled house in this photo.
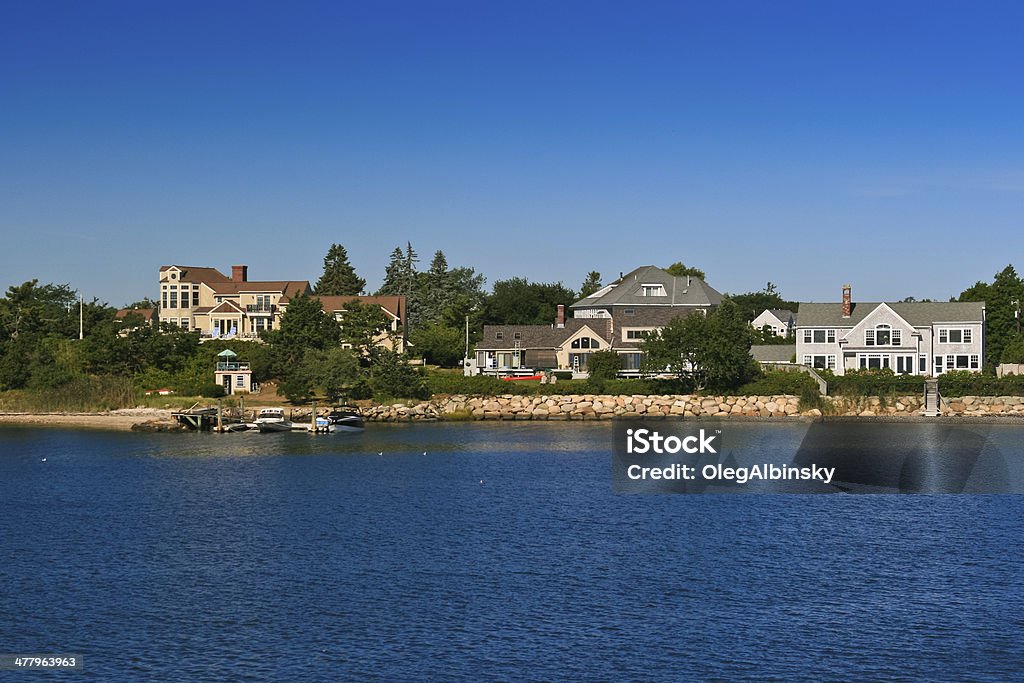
(617, 317)
(910, 338)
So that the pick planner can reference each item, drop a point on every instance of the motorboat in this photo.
(343, 419)
(272, 420)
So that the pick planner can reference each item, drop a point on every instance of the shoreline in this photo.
(125, 421)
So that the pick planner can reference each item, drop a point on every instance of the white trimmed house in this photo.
(781, 321)
(912, 338)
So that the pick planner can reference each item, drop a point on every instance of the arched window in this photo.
(586, 343)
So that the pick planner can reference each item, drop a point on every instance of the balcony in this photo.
(235, 366)
(261, 309)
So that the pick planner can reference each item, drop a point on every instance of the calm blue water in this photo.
(297, 557)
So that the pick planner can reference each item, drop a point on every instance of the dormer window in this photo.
(499, 336)
(652, 290)
(517, 335)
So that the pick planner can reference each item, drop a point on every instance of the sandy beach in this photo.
(118, 420)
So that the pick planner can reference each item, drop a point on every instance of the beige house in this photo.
(394, 337)
(222, 307)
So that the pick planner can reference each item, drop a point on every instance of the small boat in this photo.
(343, 419)
(272, 420)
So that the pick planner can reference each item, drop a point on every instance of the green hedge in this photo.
(963, 383)
(776, 382)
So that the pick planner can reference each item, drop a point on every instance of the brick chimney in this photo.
(239, 273)
(847, 302)
(560, 320)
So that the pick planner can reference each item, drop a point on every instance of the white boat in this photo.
(272, 420)
(345, 419)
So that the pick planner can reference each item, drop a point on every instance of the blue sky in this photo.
(806, 143)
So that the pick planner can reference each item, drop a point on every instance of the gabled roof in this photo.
(679, 291)
(782, 314)
(918, 313)
(541, 336)
(226, 307)
(289, 288)
(395, 305)
(198, 274)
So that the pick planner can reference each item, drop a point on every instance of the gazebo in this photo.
(232, 374)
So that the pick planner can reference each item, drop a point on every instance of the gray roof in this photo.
(773, 353)
(679, 291)
(540, 336)
(918, 313)
(782, 314)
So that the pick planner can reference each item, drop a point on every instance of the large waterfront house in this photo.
(222, 307)
(617, 317)
(915, 338)
(780, 321)
(218, 306)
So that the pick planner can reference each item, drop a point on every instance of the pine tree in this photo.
(394, 275)
(339, 277)
(591, 284)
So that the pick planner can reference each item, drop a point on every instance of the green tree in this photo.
(680, 269)
(362, 324)
(339, 277)
(335, 371)
(400, 273)
(604, 365)
(304, 325)
(752, 304)
(1013, 352)
(391, 376)
(713, 350)
(591, 284)
(1000, 320)
(518, 302)
(439, 344)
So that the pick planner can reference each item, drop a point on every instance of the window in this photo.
(821, 361)
(174, 299)
(637, 334)
(974, 362)
(819, 336)
(586, 343)
(174, 276)
(831, 336)
(922, 366)
(259, 324)
(950, 362)
(831, 362)
(873, 361)
(632, 361)
(938, 364)
(943, 336)
(905, 365)
(807, 336)
(195, 295)
(956, 336)
(869, 337)
(968, 335)
(961, 362)
(499, 335)
(652, 290)
(240, 381)
(629, 311)
(883, 335)
(163, 300)
(517, 335)
(897, 337)
(184, 323)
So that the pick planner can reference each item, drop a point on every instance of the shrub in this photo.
(775, 382)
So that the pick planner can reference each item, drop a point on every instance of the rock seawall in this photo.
(605, 407)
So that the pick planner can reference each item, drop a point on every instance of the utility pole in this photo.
(81, 317)
(1016, 312)
(466, 355)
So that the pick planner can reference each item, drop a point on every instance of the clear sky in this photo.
(807, 143)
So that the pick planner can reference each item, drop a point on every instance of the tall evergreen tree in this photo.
(591, 284)
(400, 273)
(1000, 320)
(339, 277)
